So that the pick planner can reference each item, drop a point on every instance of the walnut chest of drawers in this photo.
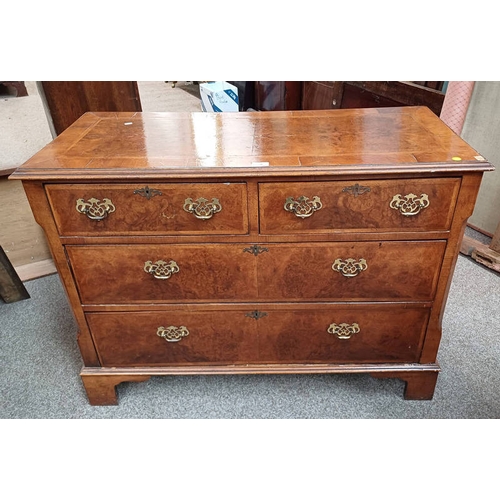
(251, 243)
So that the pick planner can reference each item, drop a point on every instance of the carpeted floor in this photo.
(40, 364)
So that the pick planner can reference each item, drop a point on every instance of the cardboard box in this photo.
(217, 97)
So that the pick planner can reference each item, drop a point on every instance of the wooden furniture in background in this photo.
(349, 95)
(11, 286)
(487, 255)
(65, 102)
(238, 243)
(277, 96)
(18, 89)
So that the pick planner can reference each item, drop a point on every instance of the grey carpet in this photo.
(40, 364)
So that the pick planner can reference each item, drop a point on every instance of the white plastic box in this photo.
(217, 97)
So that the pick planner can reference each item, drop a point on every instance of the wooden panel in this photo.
(163, 213)
(381, 94)
(322, 95)
(21, 237)
(67, 101)
(108, 274)
(278, 96)
(391, 271)
(343, 210)
(214, 337)
(386, 334)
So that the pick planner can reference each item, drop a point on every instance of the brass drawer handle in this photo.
(172, 333)
(202, 208)
(95, 209)
(349, 267)
(344, 330)
(409, 204)
(160, 269)
(303, 207)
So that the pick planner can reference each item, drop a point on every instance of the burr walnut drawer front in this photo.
(367, 205)
(121, 274)
(154, 209)
(354, 271)
(336, 334)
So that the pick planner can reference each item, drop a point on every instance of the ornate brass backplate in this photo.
(160, 269)
(343, 330)
(202, 208)
(148, 192)
(349, 267)
(172, 333)
(303, 207)
(409, 204)
(356, 190)
(95, 209)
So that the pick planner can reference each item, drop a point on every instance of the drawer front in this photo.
(343, 334)
(334, 334)
(126, 274)
(371, 205)
(156, 209)
(375, 271)
(171, 338)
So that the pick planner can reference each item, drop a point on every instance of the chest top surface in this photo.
(125, 145)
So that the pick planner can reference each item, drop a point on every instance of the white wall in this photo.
(482, 131)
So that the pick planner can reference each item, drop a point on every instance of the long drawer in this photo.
(371, 205)
(352, 271)
(155, 209)
(336, 334)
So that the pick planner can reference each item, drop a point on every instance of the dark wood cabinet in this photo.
(291, 95)
(65, 102)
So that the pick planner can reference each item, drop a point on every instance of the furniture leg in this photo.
(419, 385)
(101, 389)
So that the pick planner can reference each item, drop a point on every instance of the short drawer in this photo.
(173, 337)
(353, 271)
(154, 209)
(343, 334)
(330, 334)
(367, 205)
(135, 274)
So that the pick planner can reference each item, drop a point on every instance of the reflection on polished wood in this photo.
(351, 141)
